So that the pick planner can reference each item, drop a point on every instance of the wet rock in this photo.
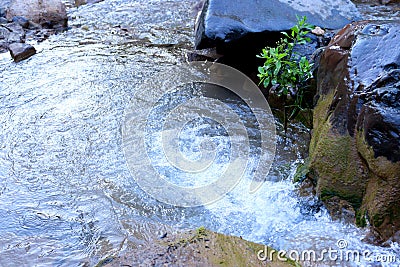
(355, 145)
(340, 209)
(48, 13)
(21, 51)
(34, 26)
(2, 12)
(224, 21)
(10, 33)
(203, 55)
(85, 2)
(379, 118)
(21, 21)
(3, 42)
(16, 33)
(197, 248)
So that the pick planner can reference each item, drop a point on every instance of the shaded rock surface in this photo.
(224, 21)
(21, 51)
(196, 248)
(355, 146)
(10, 33)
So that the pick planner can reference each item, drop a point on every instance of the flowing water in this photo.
(67, 197)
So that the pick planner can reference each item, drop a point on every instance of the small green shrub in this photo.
(284, 69)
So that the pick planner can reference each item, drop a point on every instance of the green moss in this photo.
(235, 246)
(334, 159)
(382, 195)
(301, 172)
(223, 250)
(354, 200)
(319, 120)
(361, 220)
(201, 231)
(377, 220)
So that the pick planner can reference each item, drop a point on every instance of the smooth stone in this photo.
(355, 146)
(228, 20)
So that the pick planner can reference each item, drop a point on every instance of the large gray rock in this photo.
(224, 21)
(48, 13)
(354, 152)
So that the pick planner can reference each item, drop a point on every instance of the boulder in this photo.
(48, 13)
(354, 152)
(21, 51)
(224, 21)
(198, 248)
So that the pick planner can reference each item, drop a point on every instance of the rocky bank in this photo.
(29, 20)
(354, 154)
(355, 147)
(197, 248)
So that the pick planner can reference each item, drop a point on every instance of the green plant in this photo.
(284, 69)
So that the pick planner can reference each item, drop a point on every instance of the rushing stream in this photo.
(67, 197)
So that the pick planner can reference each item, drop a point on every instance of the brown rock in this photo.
(318, 31)
(198, 248)
(21, 51)
(355, 147)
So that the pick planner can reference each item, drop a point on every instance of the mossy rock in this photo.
(334, 159)
(199, 247)
(354, 150)
(382, 198)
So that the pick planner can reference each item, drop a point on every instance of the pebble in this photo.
(318, 31)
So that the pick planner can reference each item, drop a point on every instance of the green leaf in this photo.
(285, 34)
(266, 82)
(285, 67)
(278, 66)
